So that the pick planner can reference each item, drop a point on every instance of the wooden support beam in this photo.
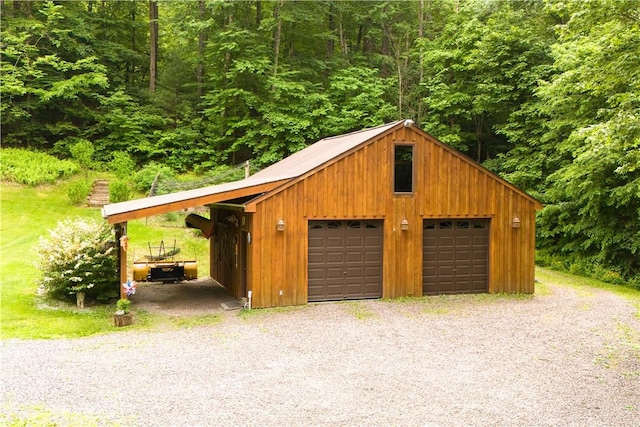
(122, 240)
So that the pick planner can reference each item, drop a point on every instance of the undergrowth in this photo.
(33, 168)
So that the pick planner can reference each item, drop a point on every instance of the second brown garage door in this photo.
(345, 260)
(455, 258)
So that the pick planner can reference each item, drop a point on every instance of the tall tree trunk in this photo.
(201, 39)
(131, 66)
(385, 52)
(332, 27)
(479, 122)
(343, 41)
(153, 44)
(420, 56)
(277, 36)
(258, 13)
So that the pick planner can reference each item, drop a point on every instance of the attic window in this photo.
(403, 169)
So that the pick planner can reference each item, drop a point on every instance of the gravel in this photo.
(569, 358)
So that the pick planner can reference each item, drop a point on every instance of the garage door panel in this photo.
(373, 257)
(429, 271)
(316, 258)
(445, 255)
(479, 270)
(480, 241)
(463, 241)
(356, 272)
(334, 256)
(334, 242)
(445, 286)
(316, 273)
(463, 270)
(354, 242)
(455, 256)
(373, 242)
(462, 256)
(446, 241)
(354, 257)
(334, 272)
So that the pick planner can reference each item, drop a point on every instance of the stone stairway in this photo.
(99, 193)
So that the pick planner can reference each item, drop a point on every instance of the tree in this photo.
(50, 77)
(593, 111)
(153, 44)
(480, 70)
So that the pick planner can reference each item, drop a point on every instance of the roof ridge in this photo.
(359, 131)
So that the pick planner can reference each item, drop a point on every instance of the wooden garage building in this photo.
(385, 212)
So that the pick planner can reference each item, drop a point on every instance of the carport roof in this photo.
(267, 179)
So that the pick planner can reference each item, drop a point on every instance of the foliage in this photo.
(50, 75)
(122, 165)
(123, 305)
(79, 191)
(77, 257)
(144, 178)
(82, 152)
(33, 168)
(532, 89)
(119, 191)
(479, 71)
(594, 110)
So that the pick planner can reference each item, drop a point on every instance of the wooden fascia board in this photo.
(536, 203)
(250, 206)
(191, 202)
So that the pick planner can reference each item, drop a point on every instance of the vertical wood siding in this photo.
(359, 186)
(227, 259)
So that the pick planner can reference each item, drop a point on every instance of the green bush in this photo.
(33, 168)
(82, 152)
(119, 191)
(123, 305)
(608, 276)
(122, 165)
(143, 179)
(79, 191)
(78, 256)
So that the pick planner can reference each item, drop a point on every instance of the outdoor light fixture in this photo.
(280, 225)
(404, 224)
(515, 223)
(124, 242)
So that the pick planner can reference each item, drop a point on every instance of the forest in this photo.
(544, 93)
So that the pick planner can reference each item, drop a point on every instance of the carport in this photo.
(118, 214)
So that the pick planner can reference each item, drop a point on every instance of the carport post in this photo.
(122, 241)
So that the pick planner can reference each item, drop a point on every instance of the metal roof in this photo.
(320, 152)
(291, 167)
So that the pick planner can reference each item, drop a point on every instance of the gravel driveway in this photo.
(565, 358)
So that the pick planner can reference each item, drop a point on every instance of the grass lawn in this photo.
(26, 214)
(547, 276)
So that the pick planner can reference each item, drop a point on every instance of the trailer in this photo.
(161, 266)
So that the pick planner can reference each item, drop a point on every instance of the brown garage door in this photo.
(345, 260)
(456, 254)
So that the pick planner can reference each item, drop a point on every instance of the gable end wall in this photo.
(359, 186)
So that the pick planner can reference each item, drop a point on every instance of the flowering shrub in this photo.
(77, 257)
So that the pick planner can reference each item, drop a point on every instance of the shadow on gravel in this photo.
(194, 297)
